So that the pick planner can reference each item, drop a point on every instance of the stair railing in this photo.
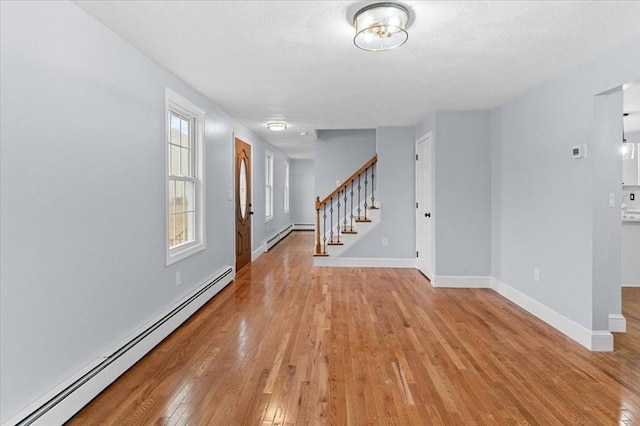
(343, 196)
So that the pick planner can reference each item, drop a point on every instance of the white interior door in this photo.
(424, 203)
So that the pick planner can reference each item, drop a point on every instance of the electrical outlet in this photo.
(612, 199)
(385, 242)
(536, 274)
(178, 278)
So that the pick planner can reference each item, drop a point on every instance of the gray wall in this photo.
(632, 137)
(395, 180)
(463, 193)
(339, 153)
(82, 195)
(605, 161)
(547, 209)
(263, 229)
(425, 126)
(544, 206)
(462, 196)
(303, 192)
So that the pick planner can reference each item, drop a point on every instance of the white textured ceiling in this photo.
(295, 60)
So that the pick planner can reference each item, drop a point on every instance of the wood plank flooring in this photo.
(290, 344)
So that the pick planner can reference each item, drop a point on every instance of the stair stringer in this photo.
(336, 252)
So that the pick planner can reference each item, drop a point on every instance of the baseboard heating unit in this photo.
(277, 237)
(60, 404)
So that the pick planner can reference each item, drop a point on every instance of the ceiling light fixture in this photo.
(381, 26)
(277, 126)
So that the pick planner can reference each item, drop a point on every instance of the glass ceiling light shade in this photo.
(381, 26)
(277, 126)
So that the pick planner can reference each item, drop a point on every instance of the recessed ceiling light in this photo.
(303, 133)
(277, 126)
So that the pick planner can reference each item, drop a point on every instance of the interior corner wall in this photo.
(339, 153)
(303, 192)
(395, 181)
(82, 172)
(542, 196)
(463, 193)
(496, 191)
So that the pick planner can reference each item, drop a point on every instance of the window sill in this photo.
(180, 253)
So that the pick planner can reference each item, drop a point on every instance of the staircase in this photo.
(348, 213)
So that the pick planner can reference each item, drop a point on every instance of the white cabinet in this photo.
(631, 167)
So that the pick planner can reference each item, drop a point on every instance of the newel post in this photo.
(318, 247)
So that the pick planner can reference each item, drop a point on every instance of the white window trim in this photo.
(268, 155)
(176, 103)
(287, 190)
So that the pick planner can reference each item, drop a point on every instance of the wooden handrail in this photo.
(346, 182)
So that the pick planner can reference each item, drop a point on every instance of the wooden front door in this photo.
(243, 204)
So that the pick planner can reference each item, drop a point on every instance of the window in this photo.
(286, 188)
(268, 190)
(184, 177)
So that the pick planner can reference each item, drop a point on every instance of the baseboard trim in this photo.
(258, 252)
(304, 227)
(594, 340)
(353, 262)
(631, 285)
(62, 402)
(617, 323)
(601, 341)
(455, 281)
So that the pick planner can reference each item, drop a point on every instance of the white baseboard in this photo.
(353, 262)
(66, 399)
(594, 340)
(617, 323)
(258, 252)
(631, 285)
(454, 281)
(601, 341)
(304, 227)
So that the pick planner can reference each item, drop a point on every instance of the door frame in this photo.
(430, 270)
(234, 136)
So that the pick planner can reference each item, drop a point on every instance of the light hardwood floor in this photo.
(287, 343)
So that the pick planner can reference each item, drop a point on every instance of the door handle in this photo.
(427, 214)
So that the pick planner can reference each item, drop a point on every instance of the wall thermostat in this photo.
(579, 151)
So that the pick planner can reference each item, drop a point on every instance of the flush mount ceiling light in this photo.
(381, 26)
(277, 126)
